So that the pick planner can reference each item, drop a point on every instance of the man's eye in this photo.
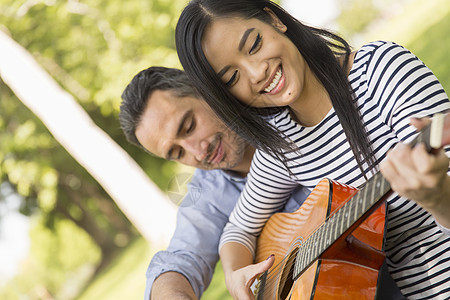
(180, 153)
(191, 126)
(256, 45)
(232, 79)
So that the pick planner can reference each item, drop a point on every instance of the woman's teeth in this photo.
(275, 81)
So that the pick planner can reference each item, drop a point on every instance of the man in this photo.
(162, 113)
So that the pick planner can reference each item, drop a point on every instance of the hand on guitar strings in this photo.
(240, 281)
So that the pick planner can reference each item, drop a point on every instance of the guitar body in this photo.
(348, 269)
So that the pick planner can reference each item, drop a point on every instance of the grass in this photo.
(217, 289)
(124, 278)
(424, 28)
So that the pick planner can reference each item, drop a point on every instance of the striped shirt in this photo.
(390, 85)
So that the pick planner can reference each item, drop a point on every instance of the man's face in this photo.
(186, 130)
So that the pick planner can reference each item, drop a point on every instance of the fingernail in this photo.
(270, 256)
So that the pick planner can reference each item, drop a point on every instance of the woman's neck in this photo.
(314, 103)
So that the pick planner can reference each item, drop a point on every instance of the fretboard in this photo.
(337, 224)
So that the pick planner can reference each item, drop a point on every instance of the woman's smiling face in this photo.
(257, 61)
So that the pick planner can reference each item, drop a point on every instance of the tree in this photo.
(119, 175)
(92, 50)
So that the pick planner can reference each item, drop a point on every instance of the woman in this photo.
(327, 113)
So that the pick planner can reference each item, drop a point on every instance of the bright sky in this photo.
(14, 240)
(314, 12)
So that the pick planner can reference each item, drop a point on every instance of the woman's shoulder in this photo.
(377, 51)
(378, 55)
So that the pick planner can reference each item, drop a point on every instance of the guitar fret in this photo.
(308, 253)
(341, 220)
(316, 244)
(372, 195)
(334, 232)
(347, 214)
(321, 233)
(312, 238)
(328, 233)
(355, 207)
(353, 210)
(363, 208)
(319, 239)
(302, 258)
(296, 266)
(335, 225)
(312, 255)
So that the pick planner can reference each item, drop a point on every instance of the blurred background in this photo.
(81, 210)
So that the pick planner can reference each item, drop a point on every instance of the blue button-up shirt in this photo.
(193, 250)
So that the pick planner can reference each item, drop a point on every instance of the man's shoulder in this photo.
(214, 178)
(213, 187)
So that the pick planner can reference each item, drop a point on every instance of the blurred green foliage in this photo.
(433, 48)
(356, 15)
(92, 49)
(58, 261)
(124, 278)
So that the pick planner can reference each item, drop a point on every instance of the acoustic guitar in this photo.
(332, 246)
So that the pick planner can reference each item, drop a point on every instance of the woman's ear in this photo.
(276, 22)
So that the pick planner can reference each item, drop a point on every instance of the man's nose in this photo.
(197, 148)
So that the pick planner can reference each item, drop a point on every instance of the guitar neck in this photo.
(376, 188)
(374, 191)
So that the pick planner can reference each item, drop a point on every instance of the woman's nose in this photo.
(256, 71)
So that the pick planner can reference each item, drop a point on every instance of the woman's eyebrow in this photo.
(244, 38)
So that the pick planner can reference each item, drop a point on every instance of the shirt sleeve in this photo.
(192, 251)
(267, 189)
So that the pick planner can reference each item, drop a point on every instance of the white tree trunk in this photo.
(142, 202)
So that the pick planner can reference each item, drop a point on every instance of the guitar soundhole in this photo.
(287, 274)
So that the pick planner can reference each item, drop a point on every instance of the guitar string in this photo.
(272, 278)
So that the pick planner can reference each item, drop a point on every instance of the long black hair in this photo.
(318, 47)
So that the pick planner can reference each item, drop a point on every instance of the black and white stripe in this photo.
(391, 85)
